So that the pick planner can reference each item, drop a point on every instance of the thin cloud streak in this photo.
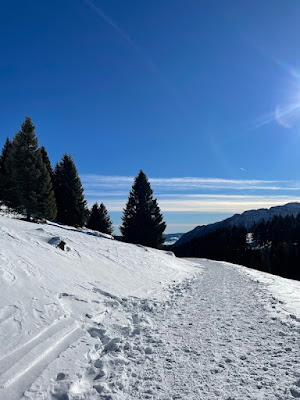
(219, 206)
(110, 22)
(105, 194)
(149, 62)
(195, 194)
(210, 205)
(188, 196)
(175, 96)
(222, 196)
(93, 182)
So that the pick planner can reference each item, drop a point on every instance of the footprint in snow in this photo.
(60, 376)
(295, 393)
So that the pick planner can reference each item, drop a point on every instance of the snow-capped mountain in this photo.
(246, 219)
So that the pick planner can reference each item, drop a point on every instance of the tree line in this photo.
(269, 246)
(223, 244)
(30, 186)
(275, 246)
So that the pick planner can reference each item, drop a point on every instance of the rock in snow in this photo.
(109, 320)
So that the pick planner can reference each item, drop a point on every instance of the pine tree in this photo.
(71, 206)
(45, 194)
(93, 218)
(99, 219)
(105, 220)
(46, 161)
(7, 193)
(31, 179)
(142, 220)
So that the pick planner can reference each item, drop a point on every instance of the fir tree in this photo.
(46, 161)
(71, 206)
(31, 179)
(99, 219)
(45, 194)
(142, 219)
(93, 218)
(105, 220)
(7, 193)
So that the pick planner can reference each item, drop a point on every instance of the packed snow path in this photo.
(216, 341)
(213, 339)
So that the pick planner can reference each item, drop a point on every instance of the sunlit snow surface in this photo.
(109, 320)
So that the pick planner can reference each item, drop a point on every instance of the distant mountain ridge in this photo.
(246, 219)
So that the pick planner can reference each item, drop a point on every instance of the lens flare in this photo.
(287, 116)
(295, 73)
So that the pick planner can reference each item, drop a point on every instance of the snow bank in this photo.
(56, 281)
(287, 291)
(34, 273)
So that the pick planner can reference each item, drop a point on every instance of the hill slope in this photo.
(110, 320)
(246, 219)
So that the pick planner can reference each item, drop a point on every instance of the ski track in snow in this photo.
(214, 338)
(26, 363)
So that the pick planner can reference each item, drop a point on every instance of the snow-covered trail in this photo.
(213, 339)
(216, 340)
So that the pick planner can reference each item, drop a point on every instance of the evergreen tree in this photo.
(93, 218)
(45, 194)
(32, 183)
(71, 206)
(99, 219)
(7, 193)
(46, 161)
(142, 219)
(105, 220)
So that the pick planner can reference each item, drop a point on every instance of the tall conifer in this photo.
(46, 160)
(71, 206)
(7, 193)
(46, 198)
(142, 220)
(31, 179)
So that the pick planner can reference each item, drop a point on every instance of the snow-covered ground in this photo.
(286, 291)
(109, 320)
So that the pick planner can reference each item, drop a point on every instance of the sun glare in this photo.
(288, 116)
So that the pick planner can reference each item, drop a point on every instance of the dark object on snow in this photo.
(61, 245)
(57, 242)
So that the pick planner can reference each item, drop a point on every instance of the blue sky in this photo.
(204, 96)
